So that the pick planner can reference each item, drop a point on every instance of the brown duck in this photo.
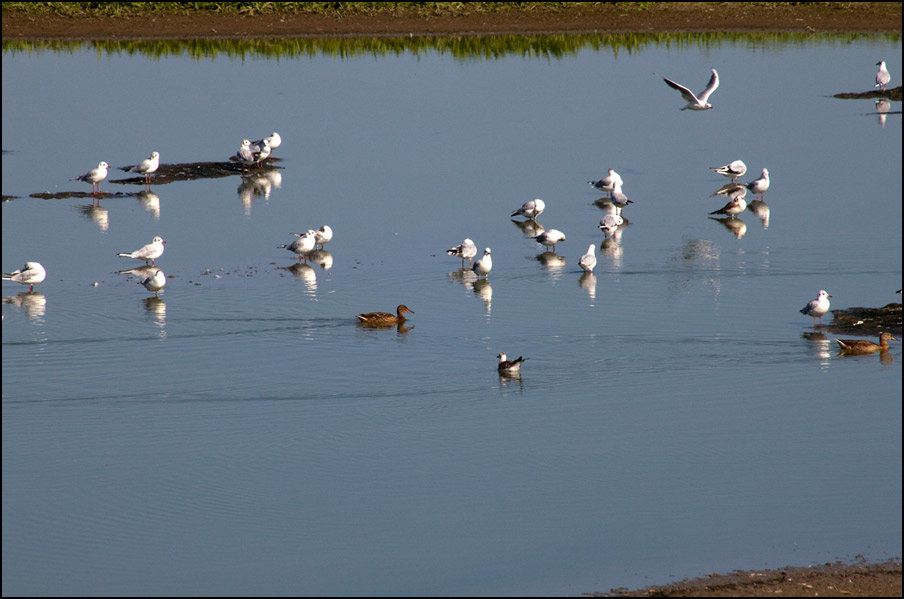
(862, 346)
(384, 318)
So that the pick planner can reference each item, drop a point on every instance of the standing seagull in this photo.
(607, 183)
(588, 260)
(507, 366)
(882, 77)
(737, 205)
(531, 209)
(732, 170)
(550, 238)
(151, 251)
(817, 307)
(619, 199)
(694, 102)
(467, 249)
(759, 186)
(155, 282)
(31, 274)
(273, 139)
(483, 266)
(245, 155)
(609, 224)
(94, 176)
(146, 167)
(304, 245)
(323, 235)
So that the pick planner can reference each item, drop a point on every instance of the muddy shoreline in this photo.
(867, 18)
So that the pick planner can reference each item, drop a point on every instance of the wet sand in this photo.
(859, 579)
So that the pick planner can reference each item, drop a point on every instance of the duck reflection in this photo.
(529, 228)
(761, 210)
(34, 303)
(150, 201)
(96, 213)
(321, 258)
(735, 225)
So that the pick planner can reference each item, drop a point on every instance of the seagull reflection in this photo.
(761, 209)
(304, 272)
(100, 216)
(150, 201)
(820, 346)
(612, 250)
(588, 283)
(142, 272)
(321, 258)
(530, 228)
(882, 108)
(34, 303)
(484, 290)
(551, 260)
(729, 190)
(156, 308)
(735, 225)
(465, 276)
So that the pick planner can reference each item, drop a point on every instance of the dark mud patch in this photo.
(893, 94)
(866, 321)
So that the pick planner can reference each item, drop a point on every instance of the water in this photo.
(241, 435)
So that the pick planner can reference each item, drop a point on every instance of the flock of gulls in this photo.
(251, 153)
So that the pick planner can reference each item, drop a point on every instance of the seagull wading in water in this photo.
(31, 274)
(815, 308)
(694, 102)
(151, 251)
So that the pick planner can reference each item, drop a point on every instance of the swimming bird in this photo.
(483, 266)
(323, 236)
(607, 184)
(151, 251)
(817, 307)
(609, 224)
(619, 199)
(531, 209)
(588, 260)
(467, 249)
(146, 167)
(155, 282)
(304, 245)
(507, 366)
(862, 346)
(274, 140)
(384, 318)
(550, 237)
(31, 274)
(694, 102)
(882, 77)
(759, 186)
(737, 205)
(94, 176)
(732, 170)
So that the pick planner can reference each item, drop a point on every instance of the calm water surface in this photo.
(241, 435)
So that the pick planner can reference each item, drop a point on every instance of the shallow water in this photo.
(240, 434)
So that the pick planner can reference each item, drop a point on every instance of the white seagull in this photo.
(607, 184)
(531, 209)
(467, 249)
(31, 274)
(155, 282)
(619, 199)
(262, 152)
(817, 307)
(507, 366)
(550, 237)
(245, 154)
(151, 251)
(304, 245)
(273, 139)
(94, 176)
(737, 205)
(732, 170)
(882, 77)
(323, 236)
(483, 266)
(146, 167)
(695, 102)
(588, 260)
(759, 186)
(609, 224)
